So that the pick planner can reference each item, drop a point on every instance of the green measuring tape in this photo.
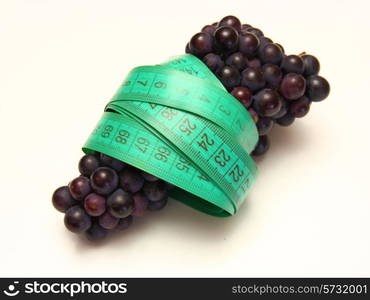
(177, 122)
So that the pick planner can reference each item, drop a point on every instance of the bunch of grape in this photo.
(106, 196)
(273, 86)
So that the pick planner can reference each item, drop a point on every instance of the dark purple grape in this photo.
(285, 120)
(96, 233)
(254, 114)
(237, 60)
(94, 204)
(231, 21)
(256, 31)
(281, 47)
(120, 204)
(283, 109)
(201, 44)
(293, 86)
(108, 221)
(213, 62)
(264, 125)
(299, 108)
(311, 65)
(87, 164)
(272, 74)
(62, 199)
(76, 219)
(263, 42)
(246, 26)
(156, 190)
(131, 180)
(254, 63)
(157, 205)
(148, 176)
(79, 187)
(187, 48)
(267, 102)
(248, 44)
(252, 78)
(243, 95)
(318, 88)
(226, 38)
(271, 53)
(210, 29)
(104, 180)
(124, 223)
(140, 204)
(262, 146)
(292, 64)
(111, 162)
(229, 76)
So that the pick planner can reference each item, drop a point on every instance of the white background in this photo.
(308, 213)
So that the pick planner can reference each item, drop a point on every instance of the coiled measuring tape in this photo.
(177, 122)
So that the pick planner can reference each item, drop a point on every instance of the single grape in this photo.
(293, 86)
(231, 21)
(292, 64)
(124, 223)
(256, 31)
(87, 164)
(272, 74)
(267, 102)
(210, 29)
(264, 125)
(285, 120)
(213, 62)
(108, 221)
(243, 95)
(76, 219)
(104, 180)
(254, 114)
(254, 63)
(237, 60)
(187, 48)
(79, 187)
(299, 108)
(252, 78)
(62, 199)
(148, 177)
(120, 204)
(201, 44)
(248, 43)
(318, 88)
(130, 180)
(281, 47)
(283, 109)
(246, 27)
(311, 65)
(262, 146)
(226, 38)
(111, 162)
(271, 53)
(155, 191)
(157, 205)
(96, 232)
(94, 204)
(140, 204)
(229, 76)
(263, 42)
